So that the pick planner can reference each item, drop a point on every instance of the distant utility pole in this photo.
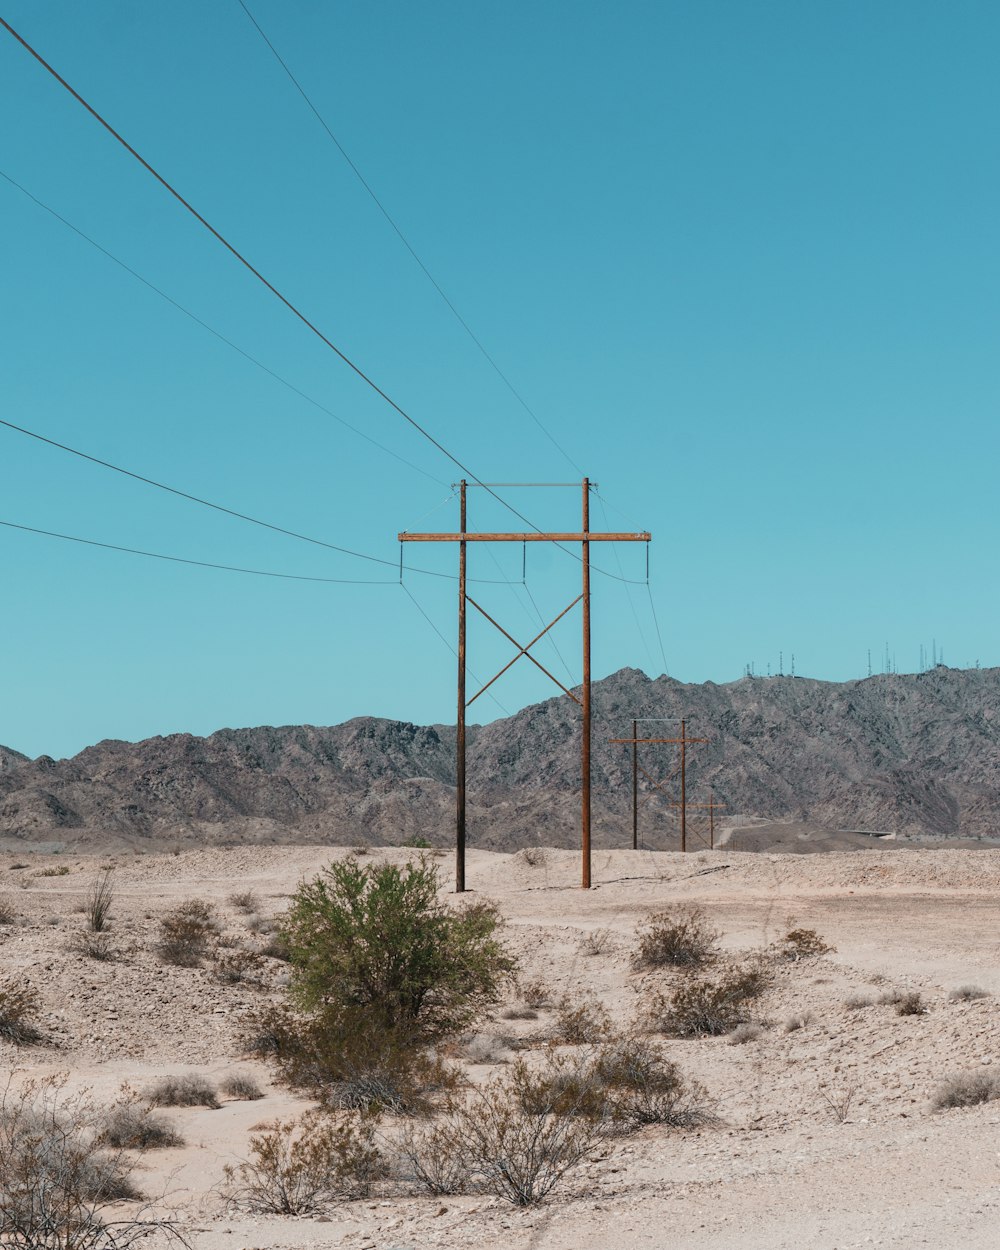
(781, 664)
(712, 806)
(869, 661)
(463, 538)
(634, 743)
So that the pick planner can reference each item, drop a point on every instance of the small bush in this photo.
(517, 1155)
(346, 1063)
(302, 1167)
(241, 1086)
(581, 1023)
(131, 1126)
(261, 924)
(535, 994)
(19, 1004)
(839, 1101)
(434, 1156)
(800, 1020)
(7, 913)
(597, 942)
(857, 1002)
(680, 938)
(238, 967)
(484, 1048)
(743, 1033)
(189, 1090)
(57, 1176)
(244, 900)
(967, 993)
(495, 1144)
(185, 933)
(533, 856)
(519, 1013)
(798, 944)
(416, 842)
(93, 945)
(97, 906)
(910, 1004)
(276, 948)
(966, 1089)
(61, 871)
(645, 1087)
(702, 1008)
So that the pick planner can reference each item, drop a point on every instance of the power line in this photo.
(628, 589)
(409, 247)
(202, 564)
(183, 494)
(659, 636)
(283, 299)
(211, 329)
(216, 507)
(430, 622)
(252, 269)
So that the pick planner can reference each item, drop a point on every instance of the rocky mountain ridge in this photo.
(915, 754)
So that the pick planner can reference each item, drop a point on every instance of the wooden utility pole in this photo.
(635, 787)
(634, 742)
(585, 752)
(584, 538)
(460, 722)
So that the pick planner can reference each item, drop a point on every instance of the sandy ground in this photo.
(779, 1170)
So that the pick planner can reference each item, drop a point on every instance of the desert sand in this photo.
(781, 1169)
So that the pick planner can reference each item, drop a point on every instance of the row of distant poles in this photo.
(684, 741)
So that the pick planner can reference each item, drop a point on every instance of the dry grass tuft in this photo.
(799, 944)
(241, 1086)
(966, 1089)
(189, 1090)
(967, 993)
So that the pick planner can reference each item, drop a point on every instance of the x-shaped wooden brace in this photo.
(522, 651)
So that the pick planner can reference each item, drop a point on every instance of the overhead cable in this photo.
(216, 507)
(409, 247)
(221, 337)
(430, 622)
(252, 269)
(283, 299)
(202, 564)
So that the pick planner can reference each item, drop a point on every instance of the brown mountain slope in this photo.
(913, 754)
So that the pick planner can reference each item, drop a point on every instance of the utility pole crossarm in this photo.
(532, 537)
(683, 741)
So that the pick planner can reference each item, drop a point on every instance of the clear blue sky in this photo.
(741, 259)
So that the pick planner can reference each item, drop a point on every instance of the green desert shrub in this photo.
(377, 937)
(381, 971)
